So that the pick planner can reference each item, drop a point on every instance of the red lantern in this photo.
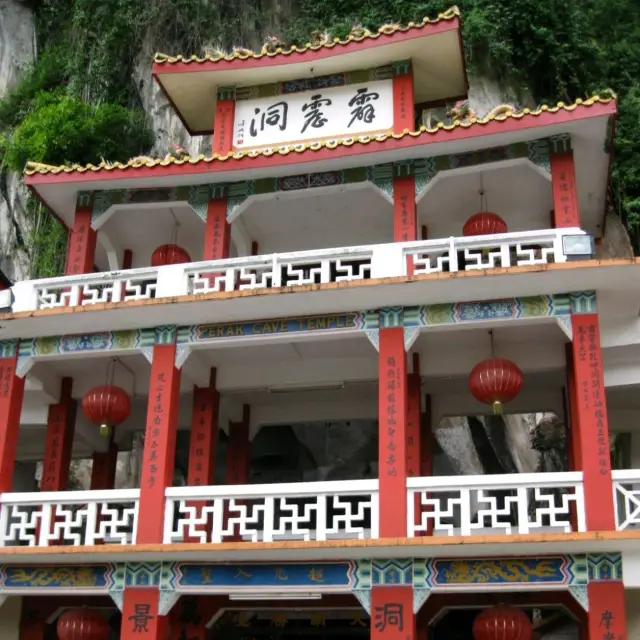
(82, 624)
(483, 224)
(107, 406)
(502, 623)
(169, 254)
(495, 381)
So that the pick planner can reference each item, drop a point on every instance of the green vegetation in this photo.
(80, 102)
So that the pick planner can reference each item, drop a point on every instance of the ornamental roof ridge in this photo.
(246, 54)
(38, 168)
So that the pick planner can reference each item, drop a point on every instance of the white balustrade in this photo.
(68, 518)
(511, 503)
(301, 268)
(525, 248)
(270, 512)
(626, 498)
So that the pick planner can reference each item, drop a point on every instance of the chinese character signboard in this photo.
(320, 114)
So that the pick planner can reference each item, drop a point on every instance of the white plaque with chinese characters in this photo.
(320, 114)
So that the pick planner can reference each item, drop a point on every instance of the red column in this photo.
(392, 615)
(405, 224)
(11, 394)
(591, 413)
(203, 441)
(403, 104)
(607, 619)
(59, 440)
(223, 127)
(103, 469)
(565, 195)
(204, 434)
(140, 619)
(239, 450)
(159, 443)
(81, 247)
(217, 239)
(392, 433)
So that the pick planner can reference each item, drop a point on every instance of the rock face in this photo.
(17, 53)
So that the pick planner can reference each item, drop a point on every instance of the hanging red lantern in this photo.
(82, 624)
(169, 254)
(502, 623)
(484, 223)
(495, 381)
(107, 406)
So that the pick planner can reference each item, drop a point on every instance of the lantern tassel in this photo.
(497, 408)
(104, 430)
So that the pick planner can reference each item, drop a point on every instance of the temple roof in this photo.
(433, 46)
(526, 117)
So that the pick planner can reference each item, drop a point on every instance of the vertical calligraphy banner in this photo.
(405, 221)
(159, 444)
(223, 127)
(403, 103)
(140, 619)
(81, 246)
(591, 411)
(565, 196)
(392, 616)
(392, 433)
(11, 394)
(202, 447)
(607, 618)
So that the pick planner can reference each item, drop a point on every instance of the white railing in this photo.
(68, 518)
(626, 498)
(270, 512)
(510, 503)
(296, 269)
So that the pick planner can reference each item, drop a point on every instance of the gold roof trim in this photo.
(37, 168)
(245, 54)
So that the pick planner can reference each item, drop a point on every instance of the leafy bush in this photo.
(61, 129)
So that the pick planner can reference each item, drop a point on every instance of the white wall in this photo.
(10, 613)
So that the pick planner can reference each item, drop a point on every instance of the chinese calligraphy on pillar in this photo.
(592, 392)
(607, 617)
(565, 200)
(151, 445)
(320, 114)
(393, 384)
(392, 616)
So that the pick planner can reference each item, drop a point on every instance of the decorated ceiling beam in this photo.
(239, 194)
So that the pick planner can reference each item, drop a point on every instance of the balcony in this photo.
(297, 269)
(465, 506)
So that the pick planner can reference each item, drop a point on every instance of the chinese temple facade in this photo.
(332, 342)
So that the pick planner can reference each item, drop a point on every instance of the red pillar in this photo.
(223, 127)
(606, 618)
(140, 619)
(159, 443)
(203, 441)
(392, 616)
(591, 413)
(405, 223)
(59, 440)
(11, 394)
(103, 469)
(403, 103)
(565, 195)
(204, 434)
(239, 450)
(392, 433)
(81, 247)
(217, 239)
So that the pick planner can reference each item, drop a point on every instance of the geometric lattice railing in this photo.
(510, 503)
(270, 512)
(295, 269)
(626, 498)
(68, 518)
